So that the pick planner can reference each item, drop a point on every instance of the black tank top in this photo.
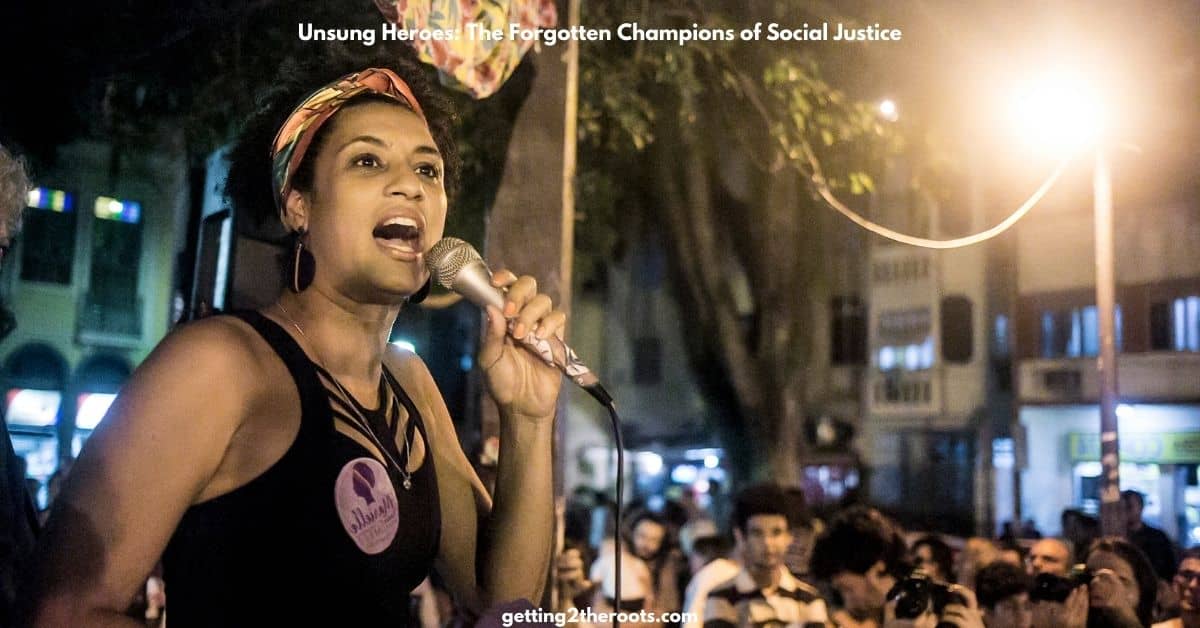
(327, 536)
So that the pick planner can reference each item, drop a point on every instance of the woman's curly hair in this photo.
(248, 185)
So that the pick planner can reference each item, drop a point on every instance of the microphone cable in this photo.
(620, 445)
(599, 394)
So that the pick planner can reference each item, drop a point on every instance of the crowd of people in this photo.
(781, 566)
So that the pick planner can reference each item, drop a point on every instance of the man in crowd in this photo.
(763, 592)
(1003, 593)
(861, 555)
(712, 573)
(18, 517)
(1154, 542)
(805, 529)
(1187, 587)
(1049, 555)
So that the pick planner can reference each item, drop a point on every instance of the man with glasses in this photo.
(1187, 587)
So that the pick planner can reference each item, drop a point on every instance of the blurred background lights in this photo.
(650, 462)
(684, 474)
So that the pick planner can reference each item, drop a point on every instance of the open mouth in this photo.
(400, 233)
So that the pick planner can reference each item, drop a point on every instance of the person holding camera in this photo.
(1002, 590)
(1115, 588)
(862, 556)
(934, 556)
(919, 601)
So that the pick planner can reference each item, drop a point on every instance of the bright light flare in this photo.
(887, 109)
(1060, 113)
(406, 345)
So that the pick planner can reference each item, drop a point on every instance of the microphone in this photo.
(457, 266)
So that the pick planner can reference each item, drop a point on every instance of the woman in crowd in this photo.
(1119, 594)
(934, 556)
(289, 464)
(1123, 585)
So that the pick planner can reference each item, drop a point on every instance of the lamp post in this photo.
(1112, 521)
(1064, 111)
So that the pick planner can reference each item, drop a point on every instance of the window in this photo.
(1075, 333)
(1175, 324)
(849, 331)
(647, 361)
(48, 237)
(112, 301)
(901, 270)
(1000, 337)
(905, 341)
(957, 336)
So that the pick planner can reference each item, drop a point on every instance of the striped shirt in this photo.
(740, 603)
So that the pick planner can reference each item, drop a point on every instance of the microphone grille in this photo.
(447, 257)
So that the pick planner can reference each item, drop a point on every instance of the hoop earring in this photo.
(420, 295)
(303, 263)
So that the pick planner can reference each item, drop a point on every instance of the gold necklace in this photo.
(405, 474)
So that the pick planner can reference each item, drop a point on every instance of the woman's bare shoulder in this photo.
(223, 341)
(216, 352)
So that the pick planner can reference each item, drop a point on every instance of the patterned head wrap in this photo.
(297, 132)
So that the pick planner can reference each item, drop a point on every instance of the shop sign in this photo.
(1160, 448)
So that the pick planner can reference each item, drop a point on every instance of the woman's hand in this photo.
(572, 578)
(519, 380)
(964, 615)
(1109, 595)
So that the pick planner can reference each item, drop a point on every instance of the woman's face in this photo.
(647, 539)
(377, 203)
(1118, 588)
(922, 557)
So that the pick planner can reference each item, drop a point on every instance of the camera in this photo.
(1052, 588)
(915, 593)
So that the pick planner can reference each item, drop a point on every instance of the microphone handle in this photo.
(572, 367)
(473, 281)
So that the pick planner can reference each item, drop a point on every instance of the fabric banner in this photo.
(466, 61)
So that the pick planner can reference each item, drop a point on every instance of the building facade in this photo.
(91, 287)
(1158, 363)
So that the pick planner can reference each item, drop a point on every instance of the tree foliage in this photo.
(721, 144)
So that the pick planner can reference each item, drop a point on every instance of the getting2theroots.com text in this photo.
(588, 616)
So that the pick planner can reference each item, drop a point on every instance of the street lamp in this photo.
(1066, 113)
(888, 109)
